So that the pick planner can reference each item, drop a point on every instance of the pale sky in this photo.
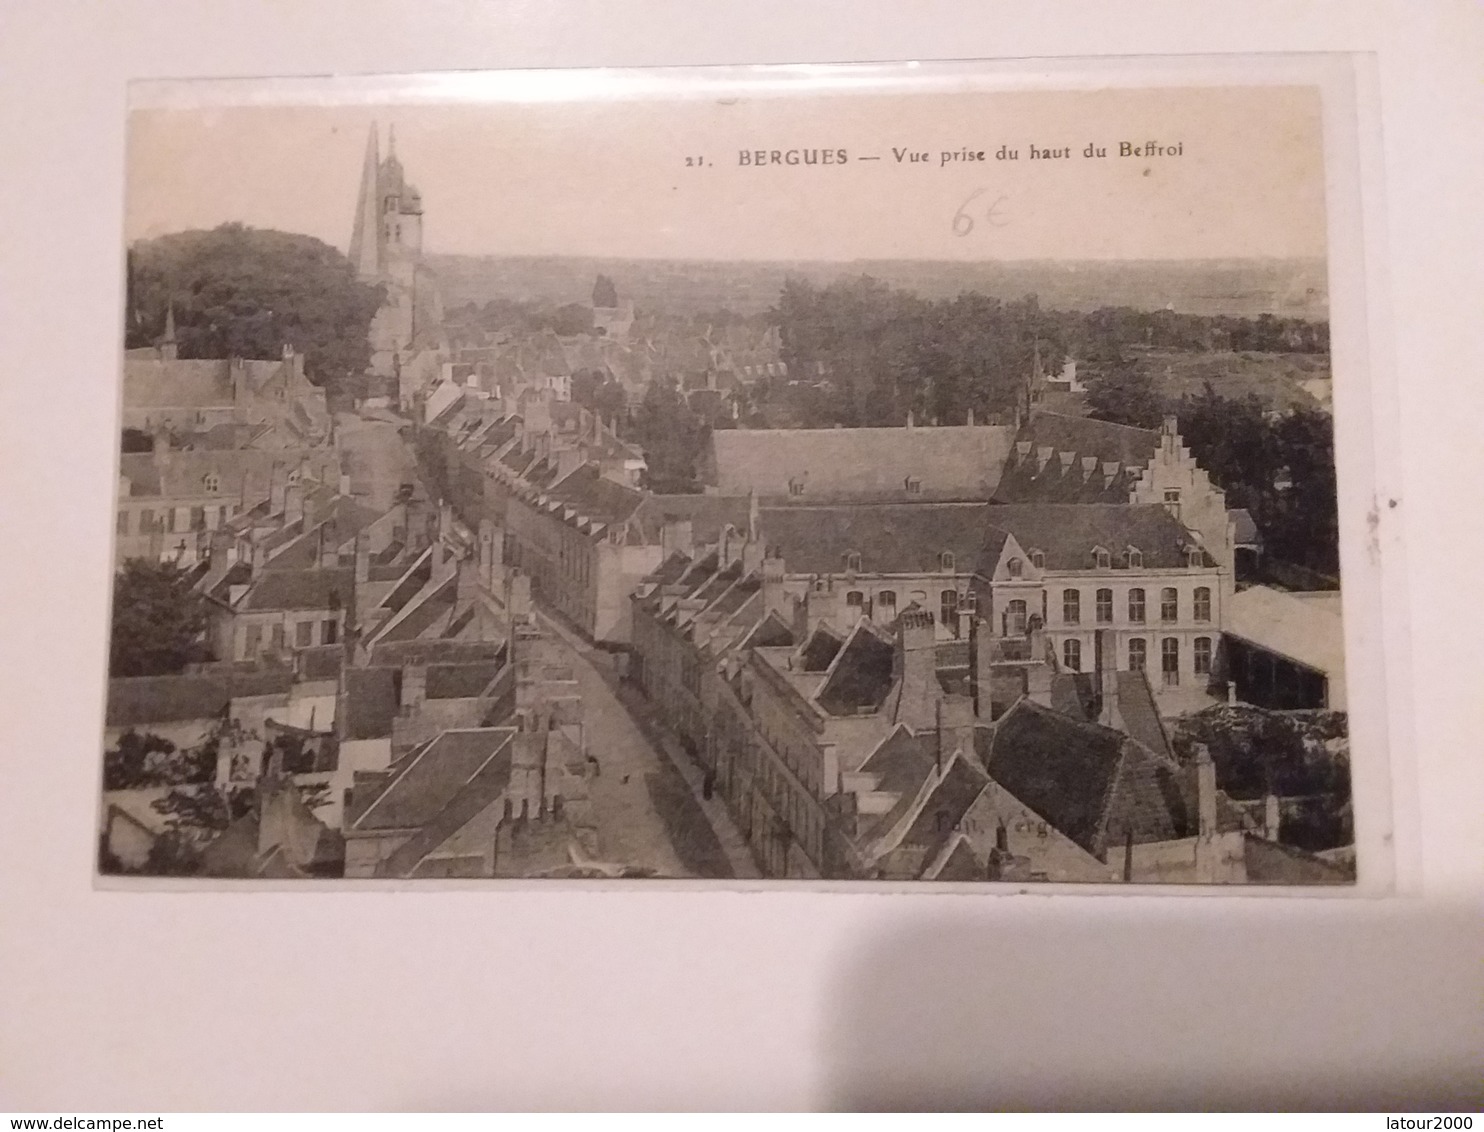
(610, 179)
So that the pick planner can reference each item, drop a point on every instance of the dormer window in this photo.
(1038, 559)
(796, 487)
(1195, 557)
(212, 483)
(853, 562)
(294, 476)
(1014, 567)
(945, 561)
(1135, 558)
(1102, 558)
(913, 485)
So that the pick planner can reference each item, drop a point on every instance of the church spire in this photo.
(365, 240)
(168, 345)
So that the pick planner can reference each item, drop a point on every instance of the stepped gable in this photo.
(1065, 459)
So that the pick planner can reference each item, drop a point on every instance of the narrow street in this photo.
(650, 812)
(377, 459)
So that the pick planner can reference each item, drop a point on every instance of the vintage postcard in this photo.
(898, 475)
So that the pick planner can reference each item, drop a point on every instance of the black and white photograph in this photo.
(739, 486)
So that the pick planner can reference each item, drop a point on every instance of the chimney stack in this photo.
(278, 482)
(981, 653)
(329, 545)
(344, 483)
(293, 502)
(518, 597)
(1272, 816)
(363, 559)
(955, 728)
(1205, 790)
(916, 669)
(676, 535)
(414, 686)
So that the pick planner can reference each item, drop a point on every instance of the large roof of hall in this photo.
(950, 462)
(891, 538)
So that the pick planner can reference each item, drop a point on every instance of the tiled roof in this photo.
(1093, 784)
(370, 702)
(194, 383)
(417, 620)
(1068, 533)
(861, 675)
(820, 648)
(475, 795)
(599, 499)
(956, 462)
(1031, 477)
(944, 807)
(1247, 532)
(1308, 632)
(433, 652)
(901, 763)
(891, 538)
(321, 662)
(771, 632)
(240, 473)
(417, 576)
(1269, 862)
(1062, 768)
(431, 779)
(138, 700)
(332, 588)
(708, 515)
(460, 681)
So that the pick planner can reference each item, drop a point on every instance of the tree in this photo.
(247, 292)
(605, 294)
(127, 765)
(1124, 394)
(157, 621)
(136, 440)
(671, 436)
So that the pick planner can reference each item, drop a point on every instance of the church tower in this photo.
(386, 247)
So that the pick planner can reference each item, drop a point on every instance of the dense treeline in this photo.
(887, 352)
(246, 292)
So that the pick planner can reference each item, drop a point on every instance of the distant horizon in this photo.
(342, 248)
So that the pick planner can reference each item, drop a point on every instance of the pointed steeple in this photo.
(168, 346)
(365, 240)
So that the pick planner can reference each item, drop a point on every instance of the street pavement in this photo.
(648, 809)
(377, 460)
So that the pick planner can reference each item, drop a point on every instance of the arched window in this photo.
(945, 561)
(1136, 606)
(1138, 654)
(1015, 567)
(1202, 656)
(886, 601)
(948, 607)
(1038, 559)
(1071, 655)
(1105, 606)
(853, 562)
(854, 599)
(1201, 610)
(1015, 619)
(1169, 660)
(1169, 604)
(1102, 558)
(1135, 558)
(1071, 607)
